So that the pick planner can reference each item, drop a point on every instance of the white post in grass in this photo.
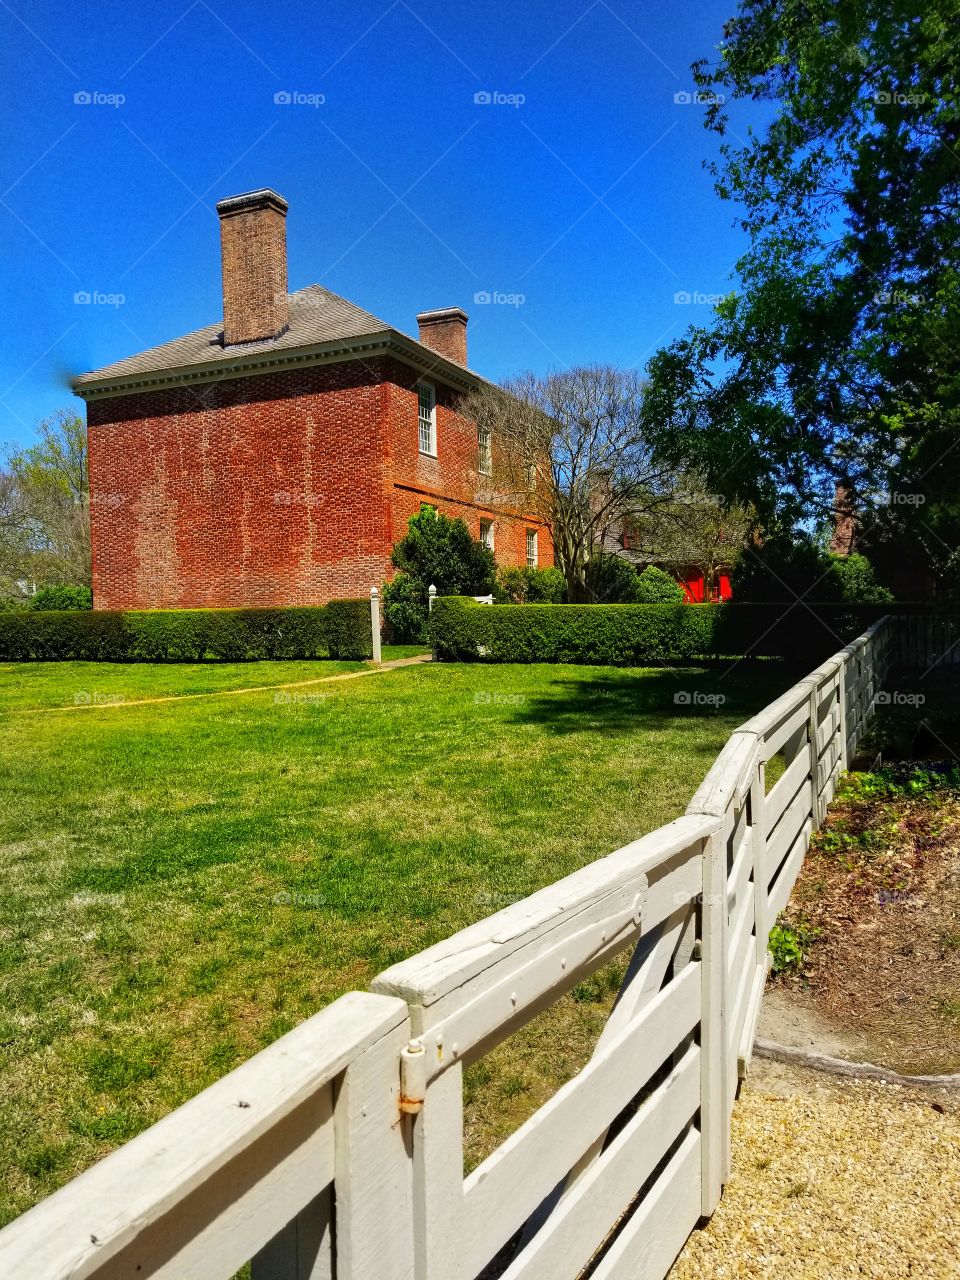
(431, 596)
(375, 622)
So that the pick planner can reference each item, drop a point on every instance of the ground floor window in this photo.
(531, 548)
(486, 533)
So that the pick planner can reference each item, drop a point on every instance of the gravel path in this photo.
(834, 1179)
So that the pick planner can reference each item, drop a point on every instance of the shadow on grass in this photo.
(624, 701)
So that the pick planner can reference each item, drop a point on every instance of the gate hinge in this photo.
(413, 1077)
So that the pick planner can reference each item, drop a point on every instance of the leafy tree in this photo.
(789, 567)
(698, 529)
(835, 359)
(47, 497)
(15, 549)
(437, 551)
(572, 449)
(656, 587)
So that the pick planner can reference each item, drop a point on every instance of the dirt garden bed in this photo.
(876, 916)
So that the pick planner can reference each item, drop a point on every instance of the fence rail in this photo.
(338, 1151)
(928, 642)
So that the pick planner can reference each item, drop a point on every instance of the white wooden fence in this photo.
(930, 642)
(338, 1151)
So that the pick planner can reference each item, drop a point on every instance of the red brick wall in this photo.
(286, 488)
(450, 481)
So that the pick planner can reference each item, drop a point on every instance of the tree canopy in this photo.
(44, 515)
(571, 449)
(835, 358)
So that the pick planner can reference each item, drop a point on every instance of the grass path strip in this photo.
(225, 693)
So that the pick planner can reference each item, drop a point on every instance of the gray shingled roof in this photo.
(316, 316)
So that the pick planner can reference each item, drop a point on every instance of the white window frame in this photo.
(484, 451)
(532, 546)
(427, 418)
(487, 535)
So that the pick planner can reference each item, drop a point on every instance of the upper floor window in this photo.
(427, 418)
(531, 548)
(486, 533)
(485, 450)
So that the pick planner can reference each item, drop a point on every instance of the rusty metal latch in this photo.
(413, 1077)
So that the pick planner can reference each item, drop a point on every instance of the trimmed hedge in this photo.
(348, 629)
(340, 629)
(638, 634)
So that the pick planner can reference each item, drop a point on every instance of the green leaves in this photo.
(440, 552)
(837, 358)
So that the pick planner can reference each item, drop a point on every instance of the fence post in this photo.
(375, 622)
(816, 809)
(761, 872)
(374, 1170)
(713, 1050)
(842, 693)
(431, 596)
(436, 1136)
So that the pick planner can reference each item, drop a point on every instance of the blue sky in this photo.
(579, 189)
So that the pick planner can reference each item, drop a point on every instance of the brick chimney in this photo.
(445, 332)
(844, 519)
(253, 251)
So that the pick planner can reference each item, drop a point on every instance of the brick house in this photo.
(276, 459)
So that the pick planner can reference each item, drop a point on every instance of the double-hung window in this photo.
(485, 451)
(531, 548)
(486, 533)
(427, 418)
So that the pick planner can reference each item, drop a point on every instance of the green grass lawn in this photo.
(185, 881)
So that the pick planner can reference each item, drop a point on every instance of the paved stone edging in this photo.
(841, 1067)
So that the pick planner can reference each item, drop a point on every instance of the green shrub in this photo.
(435, 551)
(639, 634)
(656, 587)
(65, 635)
(616, 635)
(857, 580)
(792, 565)
(439, 551)
(348, 629)
(610, 579)
(405, 608)
(62, 595)
(526, 585)
(340, 629)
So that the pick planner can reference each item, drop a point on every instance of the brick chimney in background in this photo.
(445, 332)
(253, 251)
(844, 519)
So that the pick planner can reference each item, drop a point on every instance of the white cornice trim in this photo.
(387, 342)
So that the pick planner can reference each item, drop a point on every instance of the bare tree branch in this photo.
(570, 450)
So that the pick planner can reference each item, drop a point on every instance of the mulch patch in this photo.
(879, 898)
